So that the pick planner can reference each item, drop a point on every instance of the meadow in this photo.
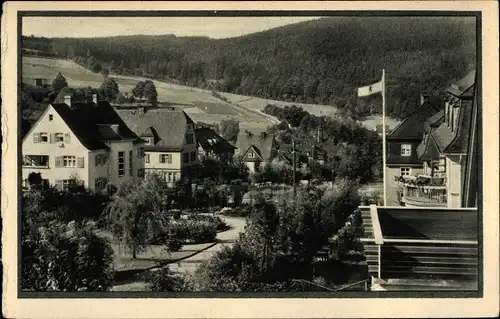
(199, 104)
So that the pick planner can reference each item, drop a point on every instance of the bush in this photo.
(240, 211)
(220, 224)
(186, 230)
(65, 257)
(164, 280)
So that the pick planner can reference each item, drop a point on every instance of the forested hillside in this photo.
(321, 61)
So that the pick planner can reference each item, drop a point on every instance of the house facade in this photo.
(402, 142)
(85, 140)
(256, 149)
(444, 151)
(170, 148)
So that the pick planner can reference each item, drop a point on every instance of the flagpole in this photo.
(383, 137)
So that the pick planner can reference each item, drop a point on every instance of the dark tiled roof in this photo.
(263, 144)
(435, 120)
(428, 150)
(209, 140)
(412, 127)
(169, 124)
(463, 86)
(91, 122)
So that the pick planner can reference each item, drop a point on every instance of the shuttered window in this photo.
(121, 163)
(81, 162)
(130, 163)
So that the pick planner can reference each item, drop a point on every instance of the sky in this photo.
(213, 27)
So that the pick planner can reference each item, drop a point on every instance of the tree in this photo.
(136, 214)
(59, 82)
(229, 129)
(35, 179)
(138, 90)
(96, 67)
(58, 255)
(109, 89)
(105, 72)
(150, 92)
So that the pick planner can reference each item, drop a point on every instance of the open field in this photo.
(199, 104)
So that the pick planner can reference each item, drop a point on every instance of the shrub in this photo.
(164, 280)
(65, 257)
(220, 224)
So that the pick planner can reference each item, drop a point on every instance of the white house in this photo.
(84, 140)
(170, 148)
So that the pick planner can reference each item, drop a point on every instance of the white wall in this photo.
(454, 166)
(71, 148)
(98, 171)
(125, 147)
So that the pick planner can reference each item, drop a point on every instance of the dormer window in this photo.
(189, 139)
(149, 140)
(405, 150)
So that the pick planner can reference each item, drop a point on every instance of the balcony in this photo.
(36, 161)
(423, 191)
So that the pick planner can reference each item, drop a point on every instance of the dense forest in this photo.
(321, 61)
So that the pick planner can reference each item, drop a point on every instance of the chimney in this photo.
(94, 98)
(115, 128)
(67, 100)
(424, 98)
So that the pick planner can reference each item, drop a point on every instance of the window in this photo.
(44, 138)
(100, 184)
(121, 163)
(149, 140)
(166, 158)
(405, 149)
(63, 184)
(36, 161)
(251, 154)
(185, 157)
(189, 139)
(101, 159)
(69, 161)
(130, 165)
(59, 137)
(51, 117)
(193, 156)
(146, 158)
(405, 171)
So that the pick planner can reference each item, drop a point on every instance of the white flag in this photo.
(370, 89)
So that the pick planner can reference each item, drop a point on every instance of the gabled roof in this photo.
(91, 123)
(209, 140)
(255, 150)
(441, 138)
(169, 124)
(263, 143)
(412, 127)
